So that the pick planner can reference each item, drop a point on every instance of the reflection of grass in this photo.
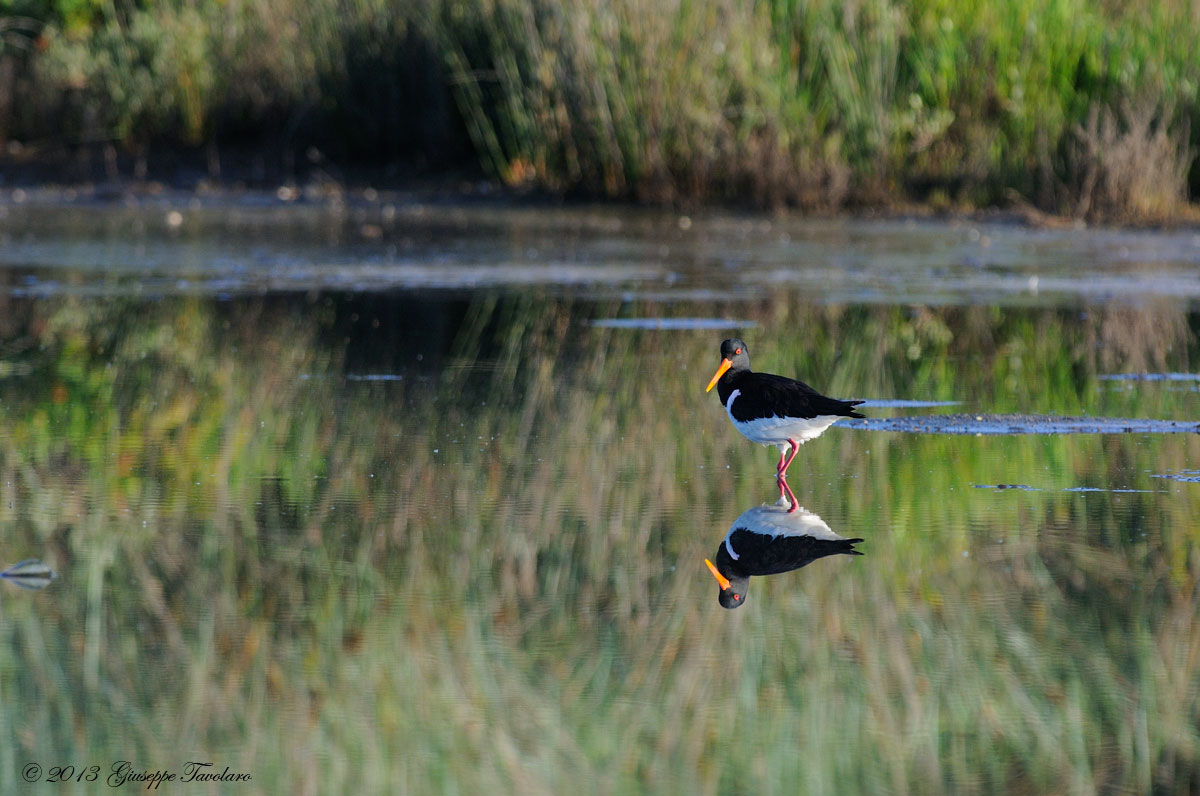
(321, 599)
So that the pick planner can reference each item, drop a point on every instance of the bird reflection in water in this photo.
(768, 540)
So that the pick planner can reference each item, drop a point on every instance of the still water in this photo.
(415, 498)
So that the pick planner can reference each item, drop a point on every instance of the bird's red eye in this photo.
(737, 596)
(737, 350)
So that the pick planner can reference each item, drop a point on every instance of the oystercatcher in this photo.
(770, 409)
(768, 540)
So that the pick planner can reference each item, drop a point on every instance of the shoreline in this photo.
(449, 192)
(172, 177)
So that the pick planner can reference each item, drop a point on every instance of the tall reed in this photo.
(815, 104)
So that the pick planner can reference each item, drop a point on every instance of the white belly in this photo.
(776, 521)
(778, 430)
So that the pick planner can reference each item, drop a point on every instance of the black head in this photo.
(733, 590)
(733, 348)
(734, 357)
(729, 598)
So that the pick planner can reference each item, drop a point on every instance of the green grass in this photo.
(490, 579)
(1075, 106)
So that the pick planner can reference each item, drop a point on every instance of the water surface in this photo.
(411, 497)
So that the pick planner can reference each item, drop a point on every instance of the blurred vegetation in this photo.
(1076, 106)
(484, 575)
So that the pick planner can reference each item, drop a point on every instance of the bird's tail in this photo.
(847, 547)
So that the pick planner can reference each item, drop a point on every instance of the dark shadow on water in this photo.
(770, 540)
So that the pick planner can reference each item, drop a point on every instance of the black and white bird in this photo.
(768, 540)
(770, 409)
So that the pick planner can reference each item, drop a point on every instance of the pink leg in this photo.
(779, 467)
(786, 491)
(782, 470)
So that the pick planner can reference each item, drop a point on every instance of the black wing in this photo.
(762, 554)
(768, 395)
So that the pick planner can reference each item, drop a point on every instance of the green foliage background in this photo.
(1075, 106)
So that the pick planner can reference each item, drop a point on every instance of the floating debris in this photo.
(1151, 377)
(981, 425)
(1119, 491)
(673, 323)
(1186, 476)
(29, 574)
(1008, 486)
(354, 376)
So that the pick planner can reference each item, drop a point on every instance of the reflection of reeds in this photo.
(320, 598)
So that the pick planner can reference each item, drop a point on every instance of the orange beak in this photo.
(725, 365)
(721, 579)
